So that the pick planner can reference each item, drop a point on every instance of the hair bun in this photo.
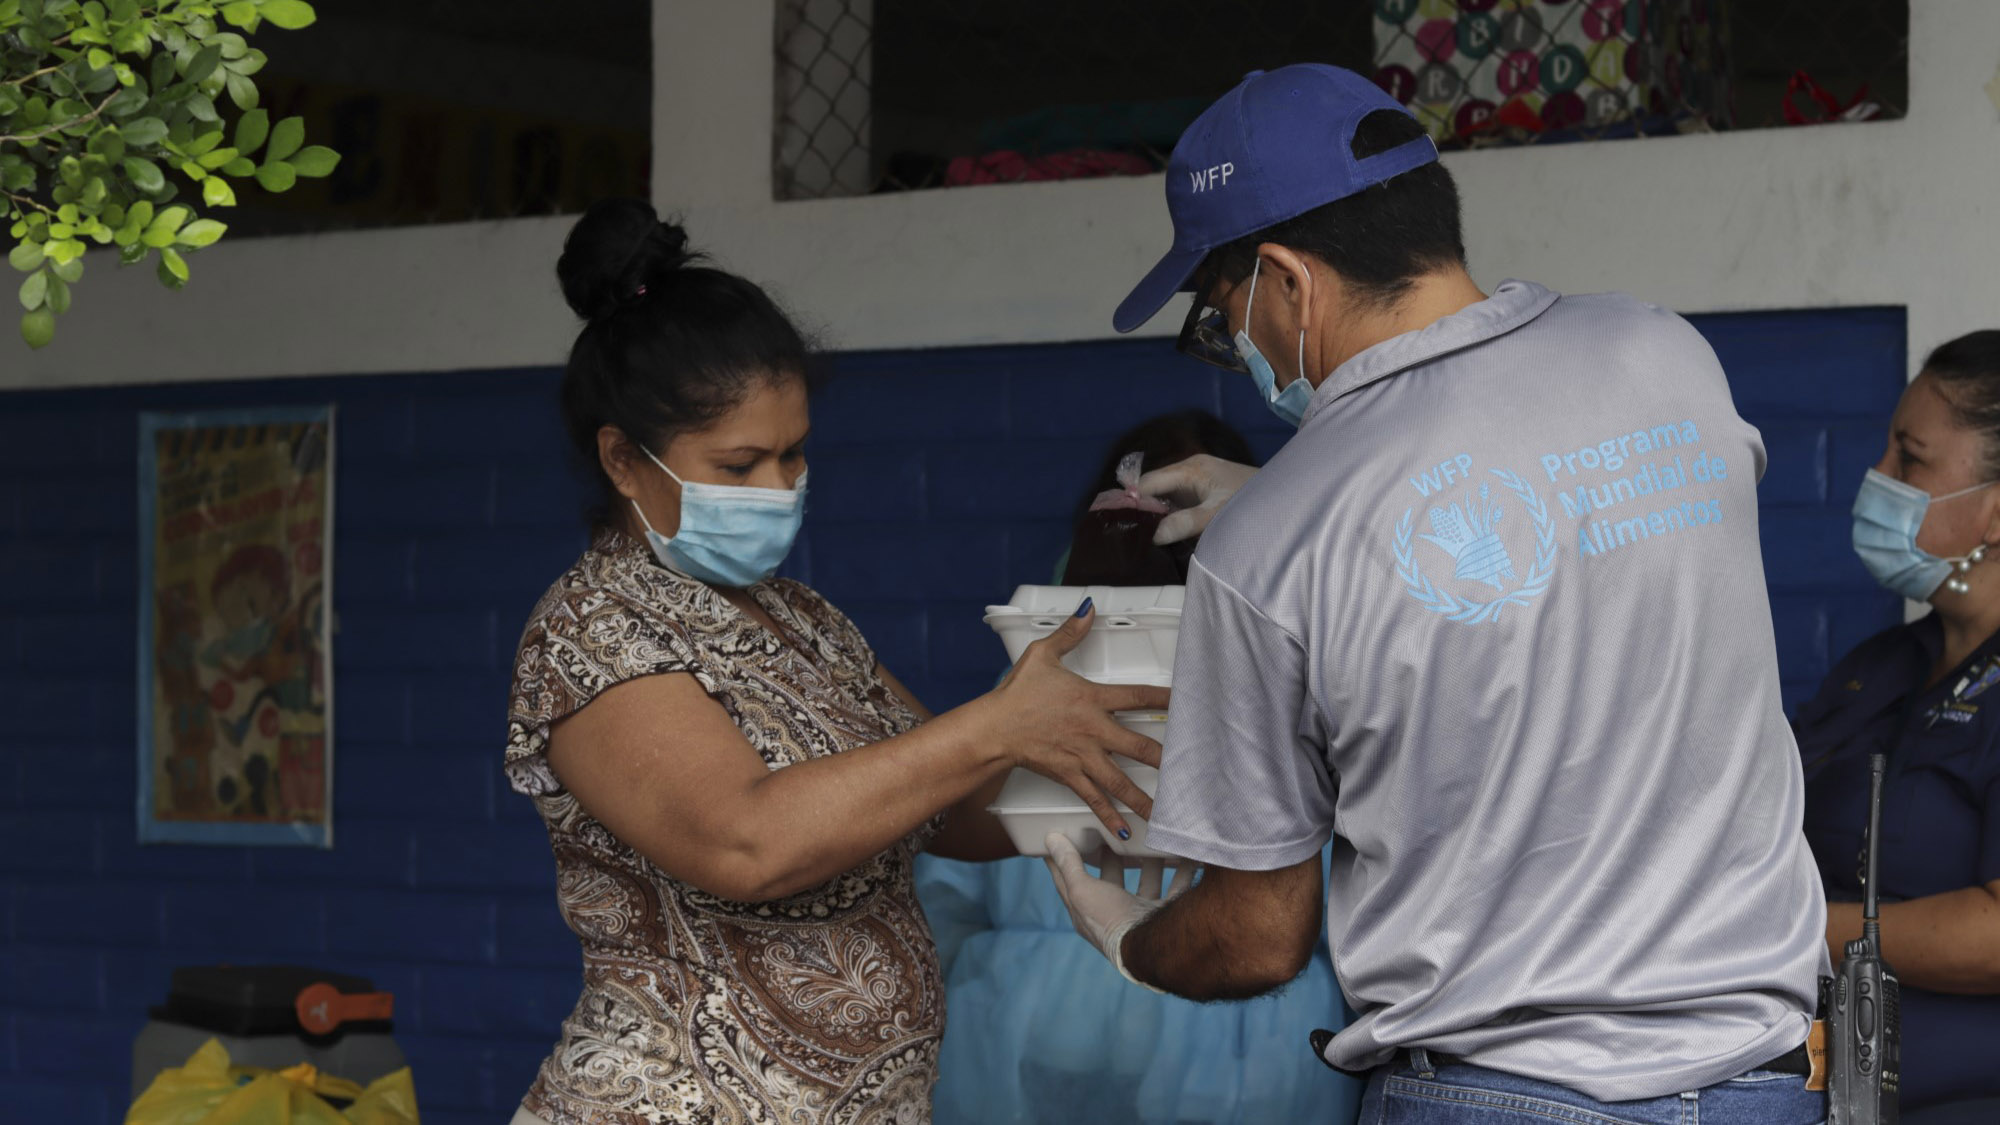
(618, 249)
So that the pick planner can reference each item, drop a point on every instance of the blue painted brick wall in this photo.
(1821, 387)
(941, 480)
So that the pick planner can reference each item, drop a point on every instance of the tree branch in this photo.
(88, 117)
(25, 201)
(27, 78)
(144, 13)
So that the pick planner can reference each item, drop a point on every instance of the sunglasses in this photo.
(1205, 334)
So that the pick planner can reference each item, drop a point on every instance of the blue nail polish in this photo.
(1084, 609)
(1124, 833)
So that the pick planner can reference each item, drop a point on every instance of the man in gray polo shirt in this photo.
(1494, 622)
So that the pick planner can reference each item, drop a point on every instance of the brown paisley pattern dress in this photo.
(825, 1007)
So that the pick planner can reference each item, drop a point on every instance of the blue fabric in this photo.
(1940, 819)
(1451, 1094)
(1041, 1028)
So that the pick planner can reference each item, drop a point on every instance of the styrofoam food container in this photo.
(1152, 724)
(1131, 642)
(1031, 806)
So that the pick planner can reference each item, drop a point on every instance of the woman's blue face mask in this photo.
(1888, 514)
(730, 535)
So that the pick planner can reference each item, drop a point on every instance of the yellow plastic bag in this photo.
(208, 1091)
(389, 1100)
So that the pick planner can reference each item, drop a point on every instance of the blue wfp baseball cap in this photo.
(1275, 147)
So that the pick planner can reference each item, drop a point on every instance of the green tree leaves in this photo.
(252, 129)
(277, 176)
(38, 328)
(315, 161)
(285, 162)
(160, 233)
(203, 64)
(249, 14)
(146, 176)
(288, 14)
(112, 112)
(286, 138)
(201, 232)
(145, 132)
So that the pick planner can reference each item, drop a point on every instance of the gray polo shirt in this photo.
(1495, 621)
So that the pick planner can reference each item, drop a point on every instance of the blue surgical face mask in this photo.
(730, 535)
(1887, 516)
(1290, 403)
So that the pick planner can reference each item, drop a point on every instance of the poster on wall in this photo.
(1507, 71)
(235, 692)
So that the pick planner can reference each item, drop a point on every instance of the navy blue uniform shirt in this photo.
(1940, 819)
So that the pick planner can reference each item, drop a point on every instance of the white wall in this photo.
(1888, 213)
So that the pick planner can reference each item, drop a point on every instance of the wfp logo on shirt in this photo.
(1475, 536)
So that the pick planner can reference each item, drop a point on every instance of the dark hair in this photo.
(1165, 440)
(670, 345)
(1378, 240)
(1968, 371)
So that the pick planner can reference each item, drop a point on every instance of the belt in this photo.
(1795, 1061)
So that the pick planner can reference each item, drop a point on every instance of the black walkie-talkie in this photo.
(1865, 1018)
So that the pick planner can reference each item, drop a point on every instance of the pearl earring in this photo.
(1958, 585)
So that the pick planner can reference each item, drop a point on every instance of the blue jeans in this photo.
(1446, 1095)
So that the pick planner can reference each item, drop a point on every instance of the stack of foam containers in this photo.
(1131, 642)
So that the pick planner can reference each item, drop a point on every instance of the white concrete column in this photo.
(1941, 219)
(713, 103)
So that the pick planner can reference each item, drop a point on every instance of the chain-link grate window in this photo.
(891, 95)
(936, 93)
(825, 50)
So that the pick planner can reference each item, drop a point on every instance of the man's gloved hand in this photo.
(1197, 487)
(1100, 907)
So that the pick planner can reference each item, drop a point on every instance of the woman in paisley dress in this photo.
(733, 786)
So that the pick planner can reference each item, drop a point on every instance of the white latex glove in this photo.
(1100, 907)
(1198, 487)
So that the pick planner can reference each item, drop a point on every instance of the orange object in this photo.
(322, 1007)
